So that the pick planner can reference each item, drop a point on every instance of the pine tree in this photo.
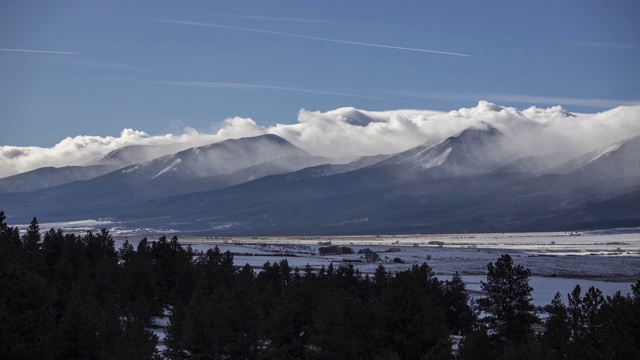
(556, 339)
(507, 302)
(459, 315)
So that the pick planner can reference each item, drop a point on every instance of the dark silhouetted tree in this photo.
(459, 314)
(507, 301)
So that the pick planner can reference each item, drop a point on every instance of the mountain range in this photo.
(471, 182)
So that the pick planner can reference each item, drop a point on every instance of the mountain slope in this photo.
(197, 169)
(452, 186)
(478, 149)
(134, 154)
(385, 198)
(49, 176)
(534, 164)
(220, 158)
(621, 158)
(334, 169)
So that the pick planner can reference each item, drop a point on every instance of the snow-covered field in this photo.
(608, 260)
(613, 256)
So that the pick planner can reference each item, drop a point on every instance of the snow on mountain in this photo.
(478, 149)
(618, 159)
(220, 158)
(50, 176)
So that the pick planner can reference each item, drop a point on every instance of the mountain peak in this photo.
(620, 159)
(477, 149)
(480, 128)
(272, 137)
(246, 141)
(133, 154)
(220, 158)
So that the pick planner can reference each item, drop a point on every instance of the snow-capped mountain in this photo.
(50, 176)
(619, 159)
(221, 158)
(205, 168)
(478, 149)
(457, 185)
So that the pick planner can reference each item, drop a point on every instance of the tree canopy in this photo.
(66, 296)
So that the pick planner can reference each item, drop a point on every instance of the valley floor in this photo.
(608, 260)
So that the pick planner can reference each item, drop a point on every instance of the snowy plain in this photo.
(558, 262)
(606, 259)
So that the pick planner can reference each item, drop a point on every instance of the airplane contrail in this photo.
(245, 86)
(42, 51)
(250, 17)
(197, 23)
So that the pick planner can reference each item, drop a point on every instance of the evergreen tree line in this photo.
(64, 296)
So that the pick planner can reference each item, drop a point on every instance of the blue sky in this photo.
(95, 68)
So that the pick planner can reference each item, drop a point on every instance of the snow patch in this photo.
(132, 169)
(438, 160)
(605, 151)
(172, 167)
(428, 158)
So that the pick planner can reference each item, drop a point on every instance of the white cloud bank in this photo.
(352, 132)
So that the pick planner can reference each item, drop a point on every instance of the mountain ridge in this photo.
(455, 185)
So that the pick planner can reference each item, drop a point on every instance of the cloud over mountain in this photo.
(84, 150)
(348, 131)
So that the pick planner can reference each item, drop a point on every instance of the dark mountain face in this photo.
(255, 186)
(334, 169)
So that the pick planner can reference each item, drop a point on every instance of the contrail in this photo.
(270, 18)
(185, 22)
(607, 45)
(42, 51)
(244, 86)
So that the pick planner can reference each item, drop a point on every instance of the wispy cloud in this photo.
(270, 18)
(42, 51)
(102, 65)
(245, 86)
(524, 99)
(608, 45)
(393, 47)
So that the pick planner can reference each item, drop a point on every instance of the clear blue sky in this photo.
(121, 67)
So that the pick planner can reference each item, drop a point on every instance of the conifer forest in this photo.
(66, 296)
